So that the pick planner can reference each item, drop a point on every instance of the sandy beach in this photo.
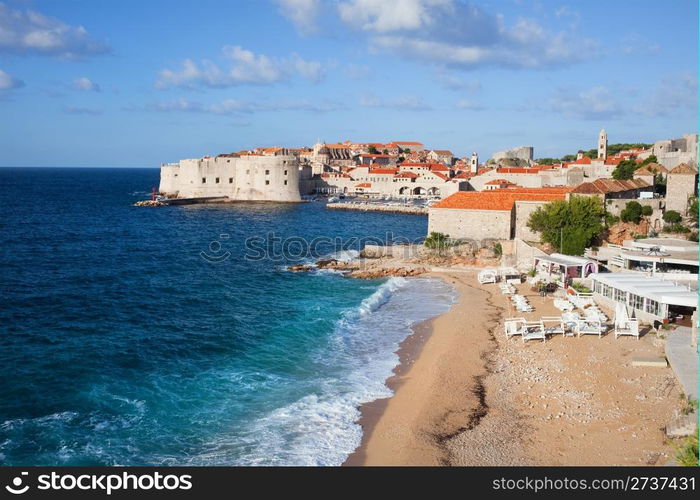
(466, 395)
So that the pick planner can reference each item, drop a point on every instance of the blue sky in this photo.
(133, 83)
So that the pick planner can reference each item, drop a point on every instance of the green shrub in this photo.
(498, 249)
(437, 241)
(672, 217)
(632, 212)
(676, 228)
(611, 220)
(687, 453)
(647, 210)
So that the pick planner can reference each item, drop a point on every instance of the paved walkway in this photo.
(683, 359)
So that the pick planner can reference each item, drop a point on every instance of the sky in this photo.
(137, 84)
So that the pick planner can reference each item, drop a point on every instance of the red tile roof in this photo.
(364, 185)
(605, 186)
(390, 171)
(408, 175)
(684, 168)
(498, 199)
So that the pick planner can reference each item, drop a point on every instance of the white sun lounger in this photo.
(589, 327)
(534, 330)
(514, 326)
(553, 325)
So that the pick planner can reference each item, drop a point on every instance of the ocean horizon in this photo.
(145, 336)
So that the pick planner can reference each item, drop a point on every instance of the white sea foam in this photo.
(320, 428)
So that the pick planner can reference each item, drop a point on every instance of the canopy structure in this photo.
(645, 294)
(560, 266)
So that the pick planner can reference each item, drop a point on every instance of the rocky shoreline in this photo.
(360, 269)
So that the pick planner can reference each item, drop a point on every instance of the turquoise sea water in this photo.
(121, 342)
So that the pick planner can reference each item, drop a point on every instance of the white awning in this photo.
(651, 288)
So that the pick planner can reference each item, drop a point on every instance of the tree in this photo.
(625, 170)
(569, 226)
(568, 158)
(649, 159)
(647, 210)
(632, 212)
(672, 217)
(693, 210)
(546, 161)
(372, 150)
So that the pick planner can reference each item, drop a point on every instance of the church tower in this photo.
(474, 163)
(603, 144)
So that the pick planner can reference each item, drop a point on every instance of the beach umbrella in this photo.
(620, 313)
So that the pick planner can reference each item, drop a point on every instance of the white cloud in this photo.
(460, 34)
(80, 110)
(634, 44)
(674, 94)
(453, 82)
(30, 32)
(381, 16)
(302, 13)
(470, 105)
(597, 103)
(235, 106)
(404, 103)
(85, 84)
(311, 70)
(246, 68)
(358, 71)
(8, 82)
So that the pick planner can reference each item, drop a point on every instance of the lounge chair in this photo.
(553, 325)
(534, 330)
(589, 326)
(514, 326)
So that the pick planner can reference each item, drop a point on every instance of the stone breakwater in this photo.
(371, 207)
(149, 203)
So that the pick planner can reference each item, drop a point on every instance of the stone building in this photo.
(681, 185)
(403, 181)
(441, 155)
(523, 154)
(252, 177)
(536, 176)
(672, 152)
(500, 214)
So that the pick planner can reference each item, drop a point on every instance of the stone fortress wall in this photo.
(249, 178)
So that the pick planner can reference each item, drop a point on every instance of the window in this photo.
(267, 183)
(652, 307)
(267, 172)
(285, 172)
(619, 295)
(230, 180)
(217, 180)
(636, 301)
(285, 183)
(204, 180)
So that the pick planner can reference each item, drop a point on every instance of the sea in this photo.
(177, 335)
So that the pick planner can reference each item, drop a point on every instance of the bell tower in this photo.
(603, 144)
(474, 163)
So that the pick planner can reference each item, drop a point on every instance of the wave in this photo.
(320, 427)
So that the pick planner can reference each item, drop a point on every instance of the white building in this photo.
(652, 299)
